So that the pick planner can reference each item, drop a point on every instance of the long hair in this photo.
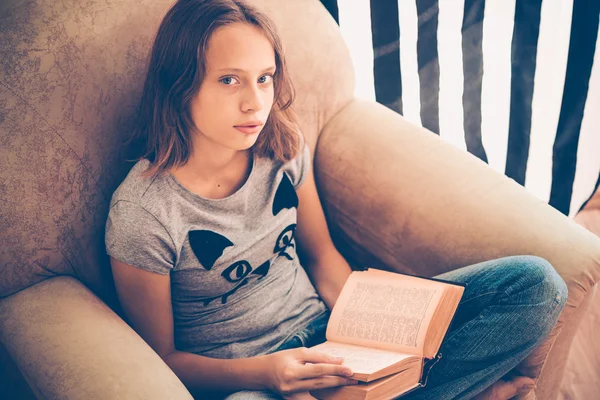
(175, 73)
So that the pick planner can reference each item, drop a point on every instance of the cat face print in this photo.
(209, 246)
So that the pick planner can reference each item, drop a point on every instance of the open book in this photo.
(389, 328)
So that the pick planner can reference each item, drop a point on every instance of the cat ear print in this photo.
(208, 246)
(285, 196)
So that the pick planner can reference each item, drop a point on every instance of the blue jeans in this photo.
(508, 308)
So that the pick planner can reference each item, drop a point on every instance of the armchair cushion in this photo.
(69, 344)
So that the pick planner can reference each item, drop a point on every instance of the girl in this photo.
(203, 233)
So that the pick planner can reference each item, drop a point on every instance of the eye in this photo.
(237, 271)
(285, 239)
(226, 78)
(266, 76)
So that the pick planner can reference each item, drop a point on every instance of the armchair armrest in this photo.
(589, 217)
(70, 345)
(398, 197)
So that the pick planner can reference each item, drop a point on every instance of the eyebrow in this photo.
(241, 70)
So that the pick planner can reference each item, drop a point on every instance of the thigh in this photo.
(484, 282)
(485, 272)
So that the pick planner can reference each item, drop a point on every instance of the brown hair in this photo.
(175, 72)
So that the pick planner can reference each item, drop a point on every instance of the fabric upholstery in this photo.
(70, 78)
(70, 344)
(582, 368)
(582, 364)
(589, 216)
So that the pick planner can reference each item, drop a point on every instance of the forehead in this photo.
(239, 45)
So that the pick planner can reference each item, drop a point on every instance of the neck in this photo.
(211, 164)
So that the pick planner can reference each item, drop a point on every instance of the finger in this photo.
(310, 370)
(314, 356)
(323, 382)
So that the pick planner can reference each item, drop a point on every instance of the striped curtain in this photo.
(514, 82)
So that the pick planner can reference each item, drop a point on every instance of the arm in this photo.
(146, 300)
(325, 266)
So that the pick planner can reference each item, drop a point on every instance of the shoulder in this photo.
(298, 167)
(140, 198)
(136, 187)
(135, 230)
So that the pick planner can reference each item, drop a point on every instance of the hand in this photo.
(292, 371)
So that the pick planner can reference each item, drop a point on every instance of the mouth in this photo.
(249, 129)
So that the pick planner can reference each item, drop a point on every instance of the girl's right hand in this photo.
(302, 369)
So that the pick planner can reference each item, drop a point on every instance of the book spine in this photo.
(426, 368)
(427, 365)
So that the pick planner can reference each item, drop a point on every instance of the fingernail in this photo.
(348, 372)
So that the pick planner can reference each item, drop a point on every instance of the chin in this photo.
(251, 140)
(243, 146)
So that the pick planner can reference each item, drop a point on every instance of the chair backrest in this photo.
(70, 80)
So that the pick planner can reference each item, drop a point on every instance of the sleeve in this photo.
(136, 237)
(299, 167)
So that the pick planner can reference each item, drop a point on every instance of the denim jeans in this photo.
(508, 308)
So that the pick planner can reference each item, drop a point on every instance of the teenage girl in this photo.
(206, 233)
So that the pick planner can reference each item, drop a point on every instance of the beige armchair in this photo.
(395, 195)
(580, 380)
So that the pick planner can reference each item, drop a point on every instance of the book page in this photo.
(384, 310)
(361, 360)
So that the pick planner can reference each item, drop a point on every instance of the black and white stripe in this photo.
(514, 82)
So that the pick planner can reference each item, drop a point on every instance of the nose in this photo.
(253, 99)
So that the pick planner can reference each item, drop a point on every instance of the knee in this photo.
(539, 272)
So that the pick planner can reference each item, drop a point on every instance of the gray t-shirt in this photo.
(237, 286)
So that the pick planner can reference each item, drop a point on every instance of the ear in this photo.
(285, 196)
(208, 246)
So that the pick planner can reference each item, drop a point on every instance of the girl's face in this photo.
(237, 87)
